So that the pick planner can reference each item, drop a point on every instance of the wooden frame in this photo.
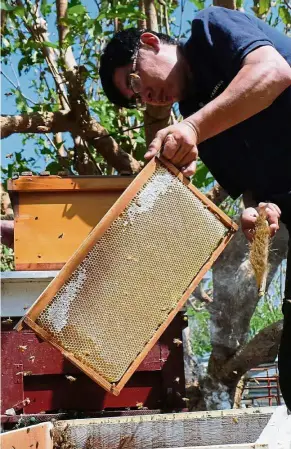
(48, 295)
(52, 183)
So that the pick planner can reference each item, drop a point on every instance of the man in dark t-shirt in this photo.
(232, 79)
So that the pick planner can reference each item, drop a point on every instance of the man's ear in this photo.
(151, 40)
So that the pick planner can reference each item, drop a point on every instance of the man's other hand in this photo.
(249, 216)
(177, 143)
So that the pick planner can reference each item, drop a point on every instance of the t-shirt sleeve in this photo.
(229, 35)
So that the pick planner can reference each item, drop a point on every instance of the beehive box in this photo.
(124, 285)
(265, 428)
(53, 215)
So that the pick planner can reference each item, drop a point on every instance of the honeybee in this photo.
(71, 378)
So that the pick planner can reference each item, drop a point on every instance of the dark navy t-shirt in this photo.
(254, 155)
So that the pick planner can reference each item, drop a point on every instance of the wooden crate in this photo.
(53, 215)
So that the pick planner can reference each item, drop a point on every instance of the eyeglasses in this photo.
(135, 84)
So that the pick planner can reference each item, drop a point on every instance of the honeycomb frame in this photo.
(50, 314)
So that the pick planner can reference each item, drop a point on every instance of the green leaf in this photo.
(45, 7)
(54, 167)
(49, 44)
(285, 15)
(98, 28)
(200, 178)
(78, 9)
(19, 11)
(22, 63)
(5, 7)
(5, 42)
(198, 3)
(264, 6)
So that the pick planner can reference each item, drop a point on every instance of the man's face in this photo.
(159, 71)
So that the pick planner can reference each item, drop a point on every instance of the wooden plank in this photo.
(84, 183)
(33, 437)
(39, 266)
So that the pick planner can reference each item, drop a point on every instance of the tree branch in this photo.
(84, 162)
(63, 121)
(39, 33)
(150, 10)
(263, 348)
(66, 53)
(35, 123)
(142, 24)
(287, 4)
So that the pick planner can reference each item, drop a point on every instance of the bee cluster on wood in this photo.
(61, 438)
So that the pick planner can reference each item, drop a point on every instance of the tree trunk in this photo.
(235, 298)
(155, 117)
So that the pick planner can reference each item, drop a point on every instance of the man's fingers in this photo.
(156, 144)
(273, 213)
(189, 157)
(249, 218)
(189, 170)
(270, 207)
(171, 146)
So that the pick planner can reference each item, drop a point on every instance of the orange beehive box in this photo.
(53, 215)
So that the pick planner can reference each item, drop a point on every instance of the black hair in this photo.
(118, 53)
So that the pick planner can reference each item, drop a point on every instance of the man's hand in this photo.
(249, 216)
(177, 144)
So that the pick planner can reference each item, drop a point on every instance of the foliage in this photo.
(7, 259)
(200, 332)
